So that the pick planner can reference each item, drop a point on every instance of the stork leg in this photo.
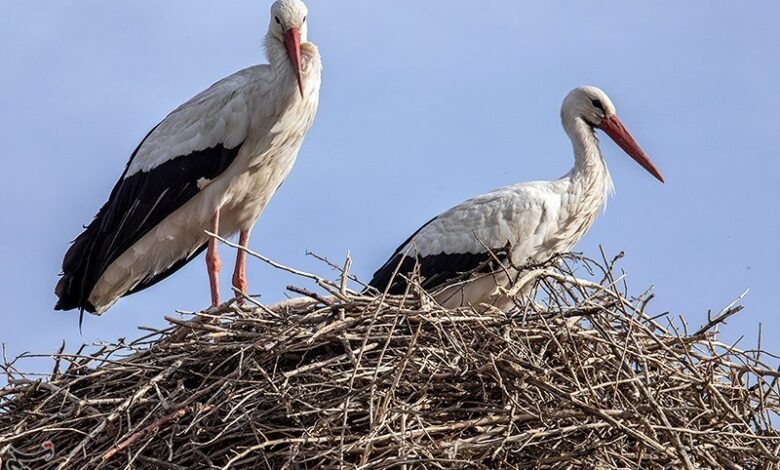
(239, 274)
(213, 263)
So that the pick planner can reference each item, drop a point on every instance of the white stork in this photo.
(212, 164)
(523, 223)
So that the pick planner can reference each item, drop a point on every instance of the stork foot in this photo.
(239, 273)
(240, 284)
(214, 265)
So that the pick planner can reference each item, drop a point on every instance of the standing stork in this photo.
(212, 164)
(518, 224)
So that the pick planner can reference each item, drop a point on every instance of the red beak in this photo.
(292, 40)
(617, 132)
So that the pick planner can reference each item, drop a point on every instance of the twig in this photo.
(179, 413)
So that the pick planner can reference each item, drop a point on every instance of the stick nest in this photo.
(583, 378)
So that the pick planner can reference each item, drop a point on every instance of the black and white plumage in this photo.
(211, 164)
(523, 223)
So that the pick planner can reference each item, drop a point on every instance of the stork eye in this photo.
(597, 103)
(277, 20)
(304, 18)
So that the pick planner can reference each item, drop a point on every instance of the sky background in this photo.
(423, 105)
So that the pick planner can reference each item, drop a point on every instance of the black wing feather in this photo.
(384, 275)
(435, 270)
(136, 205)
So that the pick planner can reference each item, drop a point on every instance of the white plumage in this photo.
(525, 223)
(212, 164)
(217, 115)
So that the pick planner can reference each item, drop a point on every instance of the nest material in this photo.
(584, 379)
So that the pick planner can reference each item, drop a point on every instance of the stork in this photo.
(211, 164)
(485, 239)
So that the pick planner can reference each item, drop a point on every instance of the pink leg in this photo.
(213, 263)
(239, 274)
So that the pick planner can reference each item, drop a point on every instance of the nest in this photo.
(582, 378)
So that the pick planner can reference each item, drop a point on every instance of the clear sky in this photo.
(424, 104)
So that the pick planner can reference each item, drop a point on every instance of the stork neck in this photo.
(276, 52)
(281, 65)
(587, 154)
(590, 174)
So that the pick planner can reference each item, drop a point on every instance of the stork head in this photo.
(289, 26)
(596, 110)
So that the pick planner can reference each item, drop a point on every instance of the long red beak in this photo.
(292, 40)
(617, 132)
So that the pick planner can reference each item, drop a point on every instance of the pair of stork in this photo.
(214, 163)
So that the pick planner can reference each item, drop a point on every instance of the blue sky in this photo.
(424, 104)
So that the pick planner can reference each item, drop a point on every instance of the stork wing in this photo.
(193, 144)
(461, 240)
(217, 116)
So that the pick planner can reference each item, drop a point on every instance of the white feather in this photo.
(218, 115)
